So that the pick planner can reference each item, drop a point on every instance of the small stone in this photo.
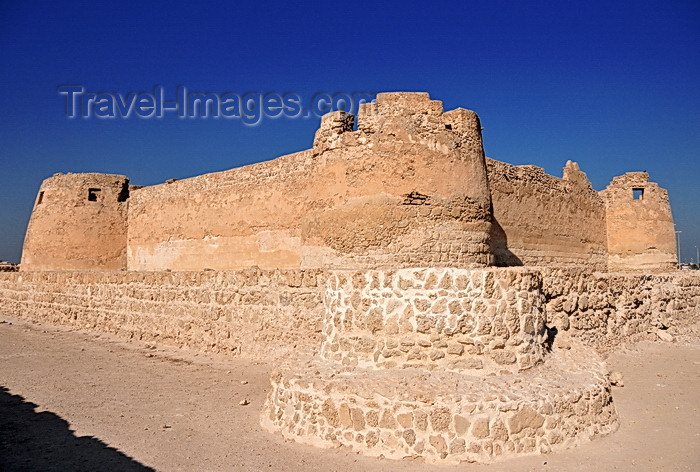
(461, 424)
(244, 382)
(480, 428)
(435, 355)
(616, 379)
(664, 336)
(244, 402)
(438, 442)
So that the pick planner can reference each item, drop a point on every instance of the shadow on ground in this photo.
(32, 441)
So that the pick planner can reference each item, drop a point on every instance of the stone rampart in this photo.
(606, 310)
(250, 311)
(541, 220)
(446, 364)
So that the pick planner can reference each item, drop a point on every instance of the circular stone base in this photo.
(444, 417)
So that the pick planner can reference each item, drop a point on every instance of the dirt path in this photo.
(77, 401)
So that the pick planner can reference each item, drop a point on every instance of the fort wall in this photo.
(253, 313)
(408, 188)
(640, 230)
(79, 222)
(542, 220)
(272, 313)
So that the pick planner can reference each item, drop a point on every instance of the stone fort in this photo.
(419, 299)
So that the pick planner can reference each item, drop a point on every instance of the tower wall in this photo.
(639, 224)
(78, 223)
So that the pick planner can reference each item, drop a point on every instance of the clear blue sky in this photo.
(612, 85)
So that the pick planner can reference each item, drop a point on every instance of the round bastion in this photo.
(442, 364)
(463, 321)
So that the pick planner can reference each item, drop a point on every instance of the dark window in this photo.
(637, 193)
(124, 193)
(92, 194)
(40, 199)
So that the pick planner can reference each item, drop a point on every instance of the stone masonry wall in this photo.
(448, 365)
(541, 220)
(605, 310)
(481, 320)
(250, 311)
(255, 313)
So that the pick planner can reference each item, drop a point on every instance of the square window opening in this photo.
(638, 193)
(92, 194)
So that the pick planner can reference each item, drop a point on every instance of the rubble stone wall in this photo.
(255, 313)
(605, 310)
(449, 365)
(267, 312)
(481, 320)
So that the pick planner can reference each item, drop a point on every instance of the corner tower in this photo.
(639, 224)
(79, 222)
(412, 188)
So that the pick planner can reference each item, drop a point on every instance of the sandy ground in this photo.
(79, 401)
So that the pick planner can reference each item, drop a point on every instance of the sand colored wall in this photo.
(445, 365)
(407, 189)
(68, 231)
(640, 231)
(458, 320)
(411, 187)
(542, 220)
(266, 313)
(254, 313)
(606, 310)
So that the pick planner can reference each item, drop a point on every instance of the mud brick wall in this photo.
(255, 313)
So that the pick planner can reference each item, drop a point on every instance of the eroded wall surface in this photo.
(605, 310)
(408, 188)
(78, 223)
(544, 220)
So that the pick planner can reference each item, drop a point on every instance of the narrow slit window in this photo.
(92, 194)
(40, 199)
(638, 193)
